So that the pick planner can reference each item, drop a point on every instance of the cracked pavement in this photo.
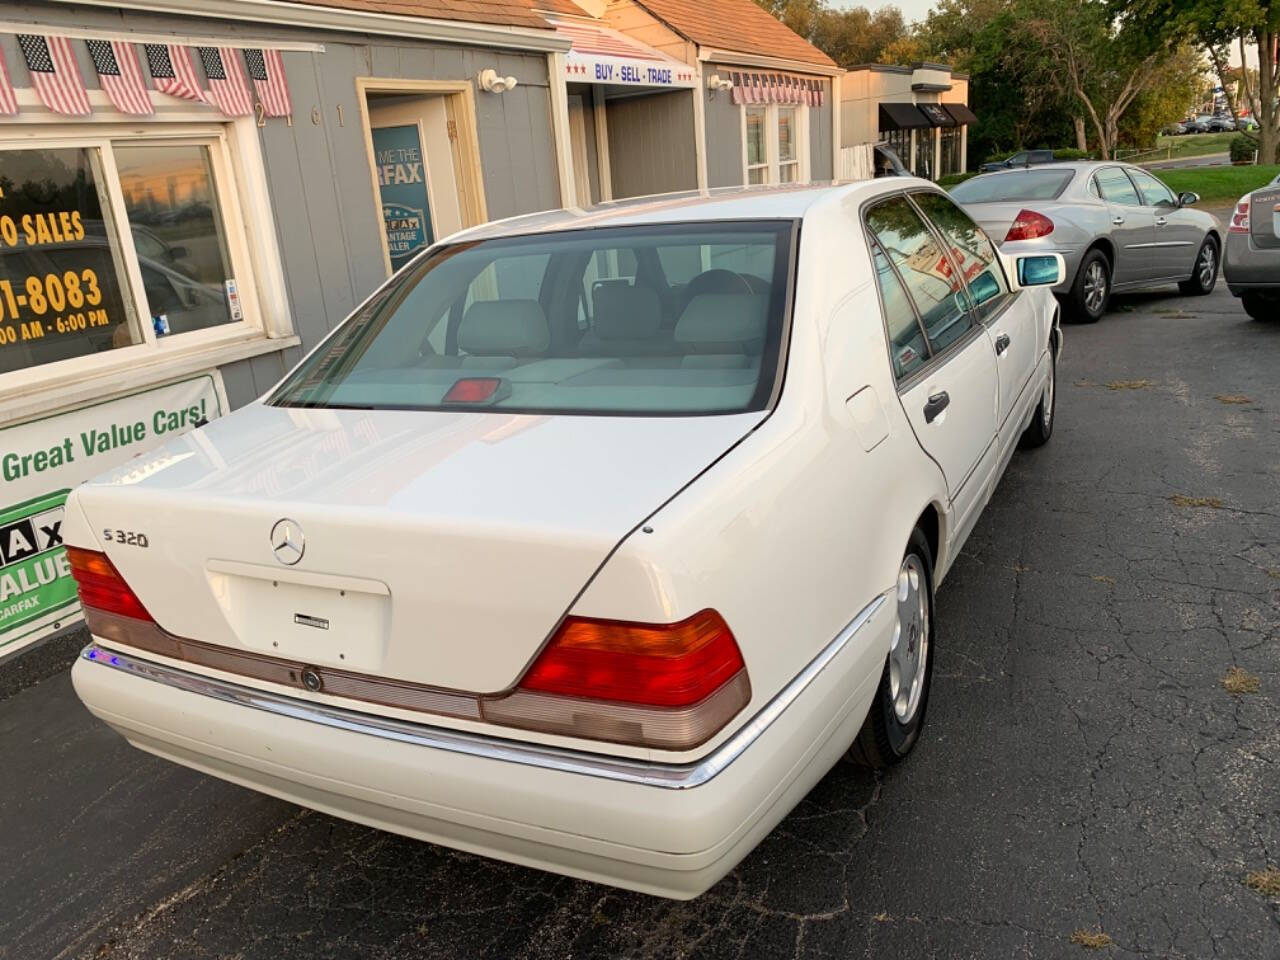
(1082, 768)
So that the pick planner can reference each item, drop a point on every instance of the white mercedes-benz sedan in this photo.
(591, 540)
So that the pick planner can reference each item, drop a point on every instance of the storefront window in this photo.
(950, 151)
(899, 142)
(924, 153)
(61, 272)
(757, 152)
(775, 144)
(788, 162)
(108, 245)
(177, 230)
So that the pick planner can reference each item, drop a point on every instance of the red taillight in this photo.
(101, 585)
(1029, 225)
(658, 665)
(1240, 219)
(671, 686)
(474, 390)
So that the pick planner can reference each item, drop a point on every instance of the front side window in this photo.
(604, 329)
(925, 268)
(1153, 192)
(972, 250)
(111, 244)
(1116, 187)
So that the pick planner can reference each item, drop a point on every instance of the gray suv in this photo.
(1251, 263)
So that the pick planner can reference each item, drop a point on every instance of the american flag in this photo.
(266, 69)
(54, 74)
(120, 76)
(171, 69)
(228, 87)
(8, 100)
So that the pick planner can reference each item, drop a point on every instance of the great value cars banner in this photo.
(40, 461)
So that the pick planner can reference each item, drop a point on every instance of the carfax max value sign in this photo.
(41, 461)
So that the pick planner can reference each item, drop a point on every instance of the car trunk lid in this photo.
(1264, 217)
(435, 548)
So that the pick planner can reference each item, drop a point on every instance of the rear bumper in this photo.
(666, 829)
(1247, 267)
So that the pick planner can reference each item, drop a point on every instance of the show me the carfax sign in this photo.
(41, 460)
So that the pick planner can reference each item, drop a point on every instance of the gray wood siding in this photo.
(318, 176)
(651, 144)
(820, 119)
(724, 136)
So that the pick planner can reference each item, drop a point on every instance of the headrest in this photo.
(504, 328)
(723, 318)
(624, 312)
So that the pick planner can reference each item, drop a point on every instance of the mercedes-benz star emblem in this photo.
(288, 541)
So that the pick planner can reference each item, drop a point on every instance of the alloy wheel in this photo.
(1095, 287)
(1207, 268)
(909, 650)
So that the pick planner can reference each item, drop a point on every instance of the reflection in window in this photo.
(788, 161)
(179, 236)
(1154, 193)
(971, 249)
(62, 279)
(930, 279)
(906, 340)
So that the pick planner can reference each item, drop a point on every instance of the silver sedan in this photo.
(1117, 227)
(1252, 262)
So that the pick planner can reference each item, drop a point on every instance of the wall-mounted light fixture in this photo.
(716, 82)
(491, 82)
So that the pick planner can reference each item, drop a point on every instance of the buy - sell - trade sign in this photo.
(40, 461)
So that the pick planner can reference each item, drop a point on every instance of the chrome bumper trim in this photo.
(669, 776)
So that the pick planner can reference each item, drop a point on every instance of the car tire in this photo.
(1204, 275)
(1040, 429)
(893, 723)
(1261, 306)
(1092, 290)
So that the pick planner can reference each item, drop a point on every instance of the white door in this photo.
(417, 182)
(944, 360)
(1012, 321)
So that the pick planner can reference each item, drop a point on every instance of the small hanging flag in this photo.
(54, 74)
(171, 69)
(8, 99)
(228, 87)
(266, 69)
(120, 76)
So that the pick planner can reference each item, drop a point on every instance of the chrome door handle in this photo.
(1161, 222)
(937, 403)
(1117, 221)
(1002, 343)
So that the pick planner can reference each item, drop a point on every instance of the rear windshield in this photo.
(1014, 185)
(653, 319)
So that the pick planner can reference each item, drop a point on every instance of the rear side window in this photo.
(581, 321)
(930, 279)
(972, 250)
(907, 347)
(1116, 187)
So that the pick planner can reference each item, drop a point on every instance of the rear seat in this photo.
(722, 330)
(497, 335)
(627, 323)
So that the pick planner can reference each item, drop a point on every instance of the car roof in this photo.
(724, 203)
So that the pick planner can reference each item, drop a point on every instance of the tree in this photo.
(1218, 27)
(1168, 97)
(1106, 65)
(848, 36)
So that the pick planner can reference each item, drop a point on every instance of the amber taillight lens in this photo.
(101, 586)
(665, 685)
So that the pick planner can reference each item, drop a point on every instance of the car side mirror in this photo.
(1043, 270)
(1188, 199)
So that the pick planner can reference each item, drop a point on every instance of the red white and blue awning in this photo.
(601, 55)
(782, 88)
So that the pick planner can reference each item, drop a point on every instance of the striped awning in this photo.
(782, 88)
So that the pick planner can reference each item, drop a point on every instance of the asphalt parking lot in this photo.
(1084, 773)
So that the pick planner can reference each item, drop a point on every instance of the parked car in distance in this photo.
(1023, 158)
(1174, 130)
(1198, 124)
(1116, 225)
(1251, 264)
(503, 563)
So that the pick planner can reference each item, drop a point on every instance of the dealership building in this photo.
(194, 192)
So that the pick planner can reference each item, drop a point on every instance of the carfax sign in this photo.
(41, 461)
(402, 183)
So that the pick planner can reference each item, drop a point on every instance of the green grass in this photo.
(1191, 145)
(1218, 185)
